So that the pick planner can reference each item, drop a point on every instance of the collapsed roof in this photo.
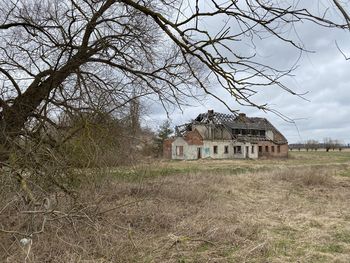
(232, 122)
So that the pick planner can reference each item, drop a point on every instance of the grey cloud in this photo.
(325, 75)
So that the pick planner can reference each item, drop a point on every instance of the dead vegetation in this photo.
(280, 215)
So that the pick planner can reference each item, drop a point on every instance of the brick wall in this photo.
(167, 148)
(270, 149)
(193, 138)
(278, 136)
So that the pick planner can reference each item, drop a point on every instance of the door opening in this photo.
(199, 153)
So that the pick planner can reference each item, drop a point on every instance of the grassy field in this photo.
(290, 210)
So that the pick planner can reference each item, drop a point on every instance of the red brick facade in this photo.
(193, 138)
(270, 149)
(167, 148)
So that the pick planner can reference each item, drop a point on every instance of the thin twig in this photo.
(3, 209)
(123, 205)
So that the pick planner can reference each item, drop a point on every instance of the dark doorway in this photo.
(199, 153)
(247, 152)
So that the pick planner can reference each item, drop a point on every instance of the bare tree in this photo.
(100, 56)
(338, 144)
(330, 143)
(343, 11)
(83, 55)
(312, 145)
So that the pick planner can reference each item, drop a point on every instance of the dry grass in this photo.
(272, 212)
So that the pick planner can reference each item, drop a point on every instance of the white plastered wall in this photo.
(269, 135)
(190, 152)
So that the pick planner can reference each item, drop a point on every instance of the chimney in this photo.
(241, 117)
(210, 114)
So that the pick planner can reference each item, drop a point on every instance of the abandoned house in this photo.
(224, 136)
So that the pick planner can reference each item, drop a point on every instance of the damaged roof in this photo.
(231, 122)
(214, 117)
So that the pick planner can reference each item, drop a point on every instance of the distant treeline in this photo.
(314, 145)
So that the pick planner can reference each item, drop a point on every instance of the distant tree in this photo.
(312, 144)
(96, 139)
(164, 132)
(299, 145)
(334, 144)
(134, 110)
(327, 143)
(338, 144)
(307, 145)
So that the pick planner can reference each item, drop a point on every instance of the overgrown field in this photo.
(294, 210)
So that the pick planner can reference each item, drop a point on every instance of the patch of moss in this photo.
(343, 236)
(283, 246)
(344, 173)
(331, 248)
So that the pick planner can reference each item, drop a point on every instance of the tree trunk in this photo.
(14, 117)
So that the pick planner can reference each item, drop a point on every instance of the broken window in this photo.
(252, 149)
(179, 150)
(266, 148)
(260, 149)
(236, 131)
(237, 149)
(262, 133)
(215, 149)
(226, 149)
(273, 149)
(278, 148)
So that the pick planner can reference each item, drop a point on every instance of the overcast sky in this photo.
(324, 74)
